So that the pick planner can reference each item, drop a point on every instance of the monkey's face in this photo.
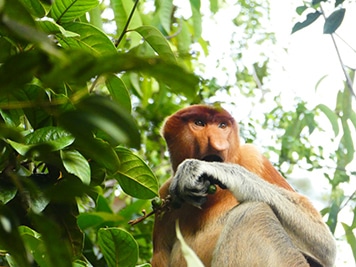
(201, 132)
(210, 138)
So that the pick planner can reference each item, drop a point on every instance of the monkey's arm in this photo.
(296, 214)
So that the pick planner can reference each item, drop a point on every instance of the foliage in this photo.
(85, 86)
(66, 126)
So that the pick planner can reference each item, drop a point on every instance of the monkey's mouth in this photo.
(212, 158)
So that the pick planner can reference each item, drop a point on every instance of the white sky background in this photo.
(298, 62)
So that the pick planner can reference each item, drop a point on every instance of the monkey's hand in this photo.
(193, 177)
(192, 181)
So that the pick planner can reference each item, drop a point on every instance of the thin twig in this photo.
(127, 24)
(164, 207)
(347, 77)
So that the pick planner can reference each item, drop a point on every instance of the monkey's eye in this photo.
(223, 125)
(199, 123)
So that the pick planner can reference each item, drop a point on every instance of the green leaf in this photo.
(98, 112)
(166, 72)
(9, 231)
(332, 117)
(96, 219)
(118, 91)
(51, 27)
(118, 247)
(89, 38)
(34, 7)
(165, 14)
(353, 118)
(68, 10)
(15, 11)
(6, 48)
(301, 9)
(214, 6)
(34, 245)
(196, 17)
(20, 22)
(134, 176)
(315, 2)
(311, 17)
(57, 247)
(184, 38)
(35, 97)
(76, 164)
(26, 63)
(333, 22)
(55, 138)
(189, 255)
(157, 41)
(350, 237)
(347, 145)
(7, 193)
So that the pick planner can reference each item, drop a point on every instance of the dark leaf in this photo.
(311, 17)
(98, 112)
(134, 176)
(118, 247)
(19, 70)
(9, 231)
(333, 22)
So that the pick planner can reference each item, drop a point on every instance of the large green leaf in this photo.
(118, 247)
(177, 78)
(196, 17)
(332, 117)
(134, 176)
(9, 231)
(15, 11)
(54, 138)
(51, 27)
(350, 237)
(26, 64)
(118, 91)
(96, 219)
(34, 7)
(68, 10)
(76, 164)
(21, 23)
(98, 112)
(333, 22)
(7, 193)
(157, 41)
(34, 98)
(89, 38)
(58, 253)
(184, 38)
(34, 244)
(165, 14)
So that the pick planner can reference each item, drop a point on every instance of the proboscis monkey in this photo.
(253, 219)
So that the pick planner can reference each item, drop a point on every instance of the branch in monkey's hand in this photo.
(160, 206)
